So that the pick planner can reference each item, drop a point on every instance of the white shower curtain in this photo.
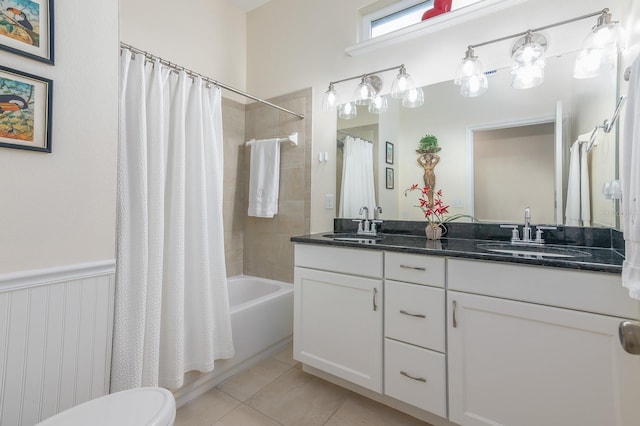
(171, 307)
(358, 188)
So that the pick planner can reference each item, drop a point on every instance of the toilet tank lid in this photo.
(149, 406)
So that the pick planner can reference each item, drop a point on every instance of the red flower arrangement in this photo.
(434, 214)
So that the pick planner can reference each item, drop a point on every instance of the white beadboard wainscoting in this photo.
(55, 339)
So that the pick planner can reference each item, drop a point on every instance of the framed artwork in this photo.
(389, 153)
(26, 28)
(25, 110)
(389, 178)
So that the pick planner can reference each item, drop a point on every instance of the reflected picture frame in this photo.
(389, 152)
(25, 110)
(26, 29)
(389, 178)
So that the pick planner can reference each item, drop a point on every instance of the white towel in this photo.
(578, 209)
(264, 179)
(631, 185)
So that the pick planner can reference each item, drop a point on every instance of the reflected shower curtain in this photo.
(358, 188)
(171, 304)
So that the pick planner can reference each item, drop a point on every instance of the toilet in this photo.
(135, 407)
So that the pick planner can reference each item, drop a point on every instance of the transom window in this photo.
(399, 19)
(384, 17)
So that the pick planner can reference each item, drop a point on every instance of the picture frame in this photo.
(26, 29)
(390, 178)
(25, 110)
(389, 152)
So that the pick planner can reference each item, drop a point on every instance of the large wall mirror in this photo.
(500, 152)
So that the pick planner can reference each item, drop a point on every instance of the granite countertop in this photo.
(598, 259)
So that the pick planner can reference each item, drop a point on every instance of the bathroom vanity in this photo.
(453, 334)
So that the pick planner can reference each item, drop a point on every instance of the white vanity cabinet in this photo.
(538, 346)
(414, 344)
(338, 312)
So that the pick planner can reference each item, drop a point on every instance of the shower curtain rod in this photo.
(191, 73)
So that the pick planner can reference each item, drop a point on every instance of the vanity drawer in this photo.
(414, 268)
(416, 376)
(415, 314)
(366, 263)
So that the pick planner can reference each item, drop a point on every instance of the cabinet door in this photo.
(521, 364)
(338, 325)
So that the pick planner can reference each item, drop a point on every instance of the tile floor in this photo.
(276, 392)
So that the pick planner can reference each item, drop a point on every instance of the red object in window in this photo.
(439, 7)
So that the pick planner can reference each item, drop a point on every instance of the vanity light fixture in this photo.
(528, 63)
(331, 99)
(402, 83)
(368, 93)
(600, 48)
(365, 91)
(599, 53)
(470, 76)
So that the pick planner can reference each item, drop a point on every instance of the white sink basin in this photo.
(533, 251)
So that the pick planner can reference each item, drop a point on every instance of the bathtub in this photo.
(261, 315)
(261, 323)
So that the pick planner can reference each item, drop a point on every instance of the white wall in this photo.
(206, 36)
(59, 208)
(292, 44)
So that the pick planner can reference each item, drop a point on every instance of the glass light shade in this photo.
(528, 63)
(378, 104)
(469, 66)
(402, 83)
(413, 98)
(599, 51)
(474, 85)
(331, 99)
(528, 52)
(364, 93)
(347, 111)
(527, 75)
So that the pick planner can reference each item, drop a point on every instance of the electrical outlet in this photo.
(457, 204)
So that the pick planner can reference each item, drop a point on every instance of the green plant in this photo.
(429, 143)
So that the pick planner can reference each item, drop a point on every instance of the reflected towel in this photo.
(578, 209)
(631, 185)
(264, 178)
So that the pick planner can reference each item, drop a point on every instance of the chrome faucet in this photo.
(365, 209)
(377, 213)
(526, 230)
(366, 226)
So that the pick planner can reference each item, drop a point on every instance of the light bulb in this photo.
(364, 93)
(347, 111)
(474, 85)
(526, 76)
(378, 105)
(413, 98)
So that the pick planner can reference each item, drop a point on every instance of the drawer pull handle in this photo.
(375, 297)
(415, 268)
(417, 379)
(455, 321)
(412, 315)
